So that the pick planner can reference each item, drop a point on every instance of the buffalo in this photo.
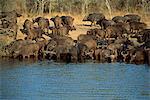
(94, 17)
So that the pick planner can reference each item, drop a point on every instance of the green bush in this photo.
(73, 6)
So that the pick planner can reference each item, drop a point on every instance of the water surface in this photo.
(46, 80)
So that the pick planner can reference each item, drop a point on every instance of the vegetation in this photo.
(35, 7)
(4, 40)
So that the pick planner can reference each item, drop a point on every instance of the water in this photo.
(89, 81)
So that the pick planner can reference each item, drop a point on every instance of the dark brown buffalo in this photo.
(100, 34)
(114, 32)
(42, 44)
(66, 57)
(51, 45)
(85, 37)
(65, 49)
(88, 40)
(124, 26)
(60, 31)
(132, 17)
(60, 46)
(15, 46)
(27, 51)
(138, 57)
(148, 56)
(66, 41)
(105, 23)
(50, 50)
(43, 23)
(14, 27)
(27, 24)
(60, 49)
(146, 35)
(94, 17)
(137, 26)
(114, 47)
(91, 44)
(119, 19)
(74, 53)
(147, 44)
(102, 55)
(82, 50)
(68, 21)
(34, 34)
(57, 21)
(98, 54)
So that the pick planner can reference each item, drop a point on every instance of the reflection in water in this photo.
(53, 81)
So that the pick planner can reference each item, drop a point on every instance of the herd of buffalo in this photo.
(121, 39)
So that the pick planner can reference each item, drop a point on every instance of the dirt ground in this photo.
(81, 29)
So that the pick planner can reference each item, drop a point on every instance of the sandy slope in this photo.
(81, 29)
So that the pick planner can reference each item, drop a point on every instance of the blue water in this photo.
(89, 81)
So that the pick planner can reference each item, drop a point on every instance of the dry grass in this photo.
(4, 40)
